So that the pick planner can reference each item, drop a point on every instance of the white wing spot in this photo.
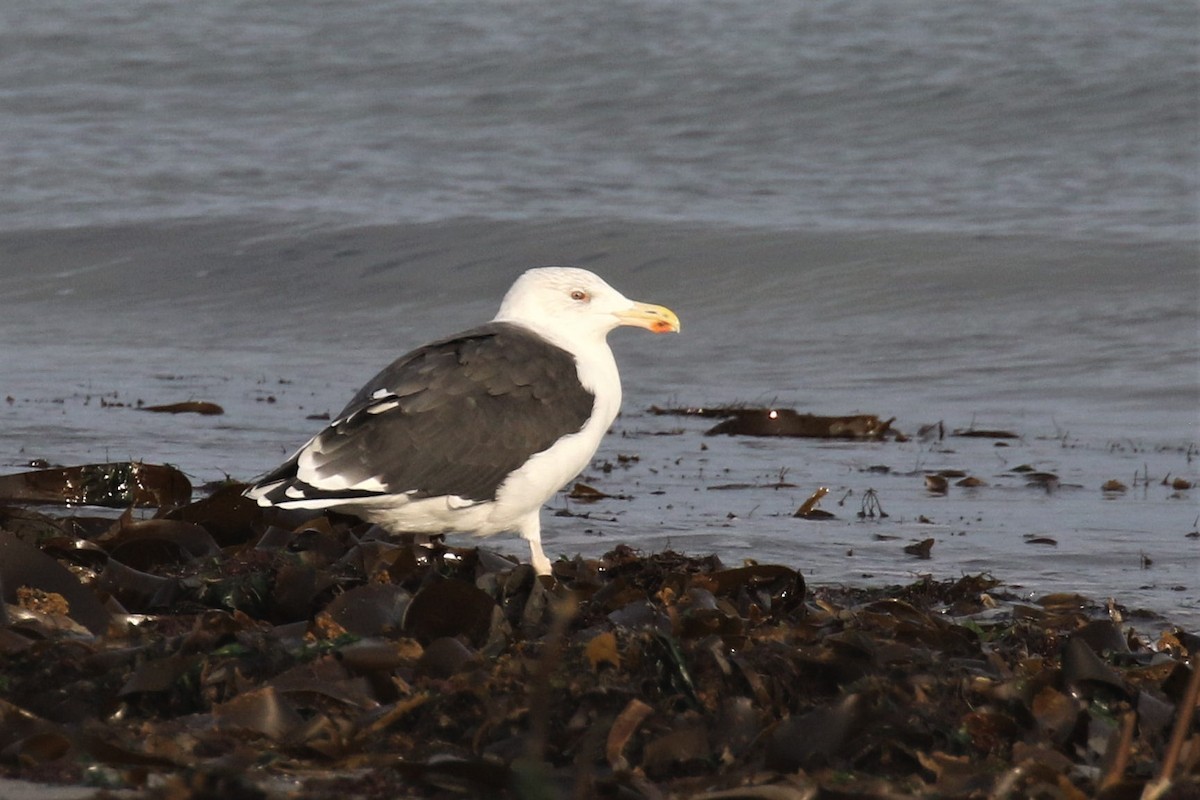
(368, 485)
(379, 408)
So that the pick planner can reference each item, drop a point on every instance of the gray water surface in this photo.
(1073, 118)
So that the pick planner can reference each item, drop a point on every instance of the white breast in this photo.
(545, 473)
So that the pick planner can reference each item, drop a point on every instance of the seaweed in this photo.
(218, 647)
(748, 421)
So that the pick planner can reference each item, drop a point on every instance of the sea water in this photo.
(983, 214)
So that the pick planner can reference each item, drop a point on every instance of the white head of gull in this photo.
(475, 432)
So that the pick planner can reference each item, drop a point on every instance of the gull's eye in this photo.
(579, 294)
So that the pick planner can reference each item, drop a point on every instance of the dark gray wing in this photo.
(452, 418)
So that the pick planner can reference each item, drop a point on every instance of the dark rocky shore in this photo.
(219, 651)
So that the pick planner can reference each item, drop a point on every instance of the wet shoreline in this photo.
(1079, 348)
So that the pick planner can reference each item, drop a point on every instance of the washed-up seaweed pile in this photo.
(217, 650)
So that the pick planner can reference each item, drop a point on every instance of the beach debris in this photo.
(1042, 480)
(112, 485)
(984, 433)
(25, 569)
(586, 493)
(971, 482)
(871, 506)
(202, 651)
(151, 544)
(922, 549)
(787, 422)
(937, 484)
(1113, 486)
(201, 407)
(808, 509)
(748, 421)
(931, 431)
(779, 483)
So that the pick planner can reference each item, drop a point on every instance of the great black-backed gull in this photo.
(475, 432)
